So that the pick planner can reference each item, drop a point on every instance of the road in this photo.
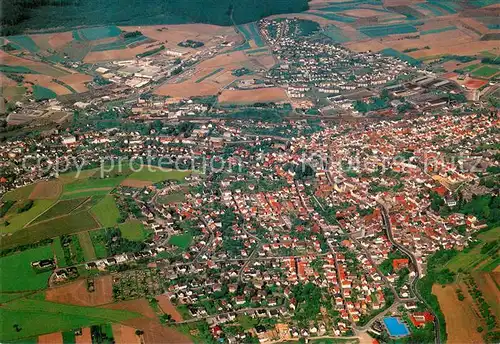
(413, 284)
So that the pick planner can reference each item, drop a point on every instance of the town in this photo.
(332, 215)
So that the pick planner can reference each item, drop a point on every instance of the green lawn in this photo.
(182, 240)
(107, 212)
(18, 220)
(36, 317)
(155, 174)
(17, 274)
(133, 230)
(468, 260)
(73, 223)
(485, 71)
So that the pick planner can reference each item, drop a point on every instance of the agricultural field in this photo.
(486, 71)
(76, 293)
(14, 221)
(251, 34)
(59, 253)
(172, 198)
(133, 230)
(61, 208)
(19, 265)
(36, 317)
(261, 95)
(461, 317)
(106, 211)
(73, 223)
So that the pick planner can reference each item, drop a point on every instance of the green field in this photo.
(58, 250)
(43, 93)
(385, 30)
(96, 33)
(182, 240)
(468, 260)
(97, 238)
(70, 224)
(394, 53)
(443, 29)
(85, 194)
(87, 247)
(25, 42)
(36, 317)
(485, 71)
(133, 230)
(155, 174)
(92, 184)
(172, 198)
(61, 208)
(17, 274)
(106, 211)
(20, 193)
(16, 69)
(18, 220)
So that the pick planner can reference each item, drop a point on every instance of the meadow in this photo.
(99, 244)
(17, 273)
(156, 175)
(133, 230)
(106, 211)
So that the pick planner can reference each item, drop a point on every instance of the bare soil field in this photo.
(125, 334)
(46, 81)
(360, 46)
(134, 183)
(263, 95)
(114, 55)
(461, 318)
(85, 338)
(76, 293)
(486, 283)
(6, 81)
(451, 65)
(168, 308)
(51, 338)
(266, 60)
(154, 332)
(188, 89)
(47, 190)
(77, 81)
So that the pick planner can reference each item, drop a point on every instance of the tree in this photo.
(139, 332)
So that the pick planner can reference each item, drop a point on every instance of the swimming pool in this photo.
(395, 327)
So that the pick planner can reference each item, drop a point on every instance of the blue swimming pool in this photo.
(395, 327)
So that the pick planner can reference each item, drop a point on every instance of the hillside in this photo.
(21, 15)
